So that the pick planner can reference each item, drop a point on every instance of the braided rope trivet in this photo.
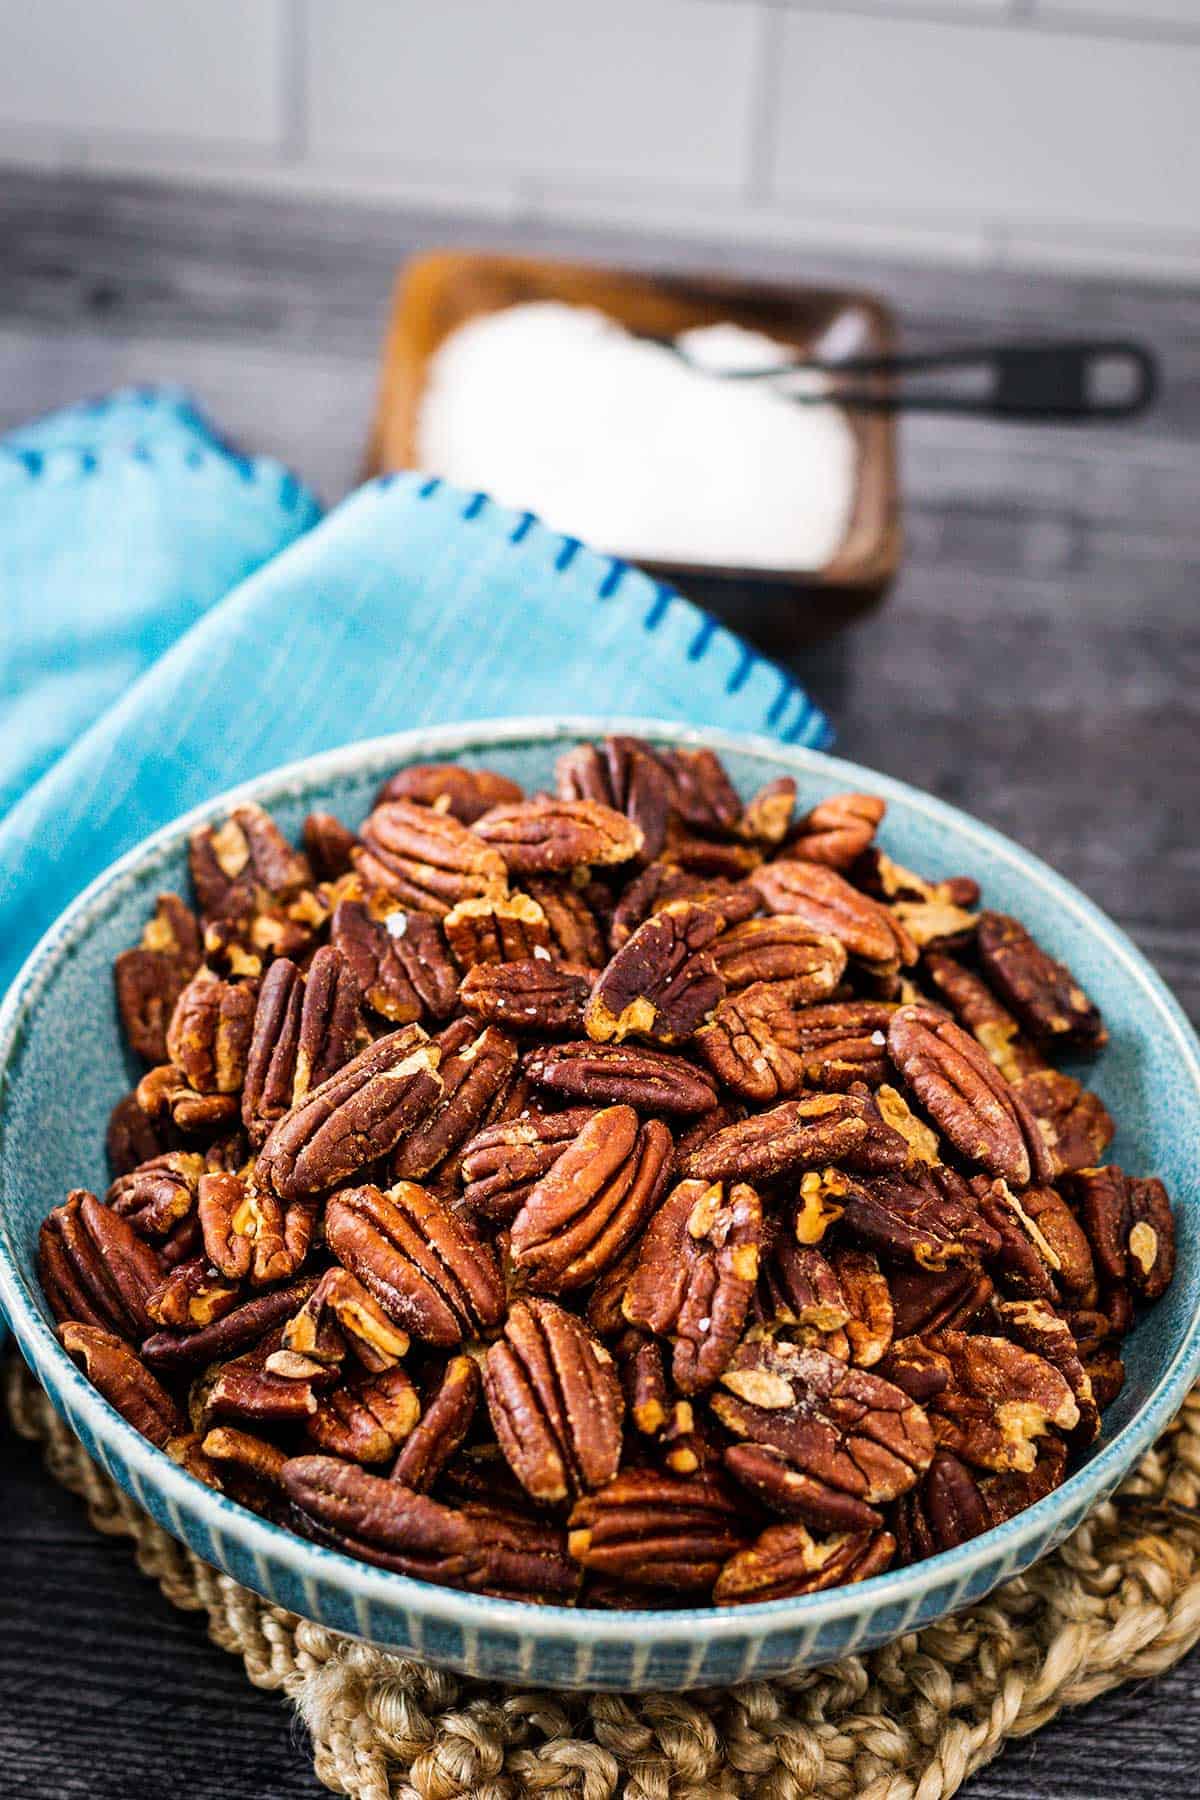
(1119, 1601)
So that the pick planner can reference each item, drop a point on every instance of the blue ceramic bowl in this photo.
(63, 1066)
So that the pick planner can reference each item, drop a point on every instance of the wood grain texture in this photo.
(1038, 663)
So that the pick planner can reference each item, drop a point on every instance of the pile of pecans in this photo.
(625, 1196)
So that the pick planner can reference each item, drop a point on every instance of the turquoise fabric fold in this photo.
(121, 522)
(412, 603)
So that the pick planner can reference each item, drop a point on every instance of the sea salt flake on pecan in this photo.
(554, 1400)
(695, 1276)
(594, 1199)
(786, 1560)
(663, 983)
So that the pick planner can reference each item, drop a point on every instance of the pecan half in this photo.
(399, 959)
(1076, 1124)
(546, 837)
(701, 792)
(841, 1043)
(554, 1400)
(1010, 1491)
(442, 1427)
(536, 995)
(837, 831)
(1037, 1327)
(786, 1560)
(743, 1043)
(870, 1325)
(928, 1216)
(662, 983)
(976, 1007)
(425, 1265)
(355, 1117)
(124, 1380)
(497, 931)
(94, 1268)
(594, 1199)
(304, 1031)
(151, 977)
(328, 845)
(248, 1232)
(132, 1138)
(658, 1530)
(870, 933)
(1129, 1226)
(925, 1300)
(502, 1163)
(663, 884)
(846, 1429)
(1042, 992)
(622, 1075)
(382, 1521)
(158, 1194)
(367, 1418)
(622, 773)
(768, 1475)
(695, 1277)
(426, 859)
(466, 794)
(982, 1114)
(946, 1510)
(248, 1324)
(821, 1128)
(522, 1558)
(208, 1038)
(781, 949)
(472, 1079)
(1043, 1250)
(242, 866)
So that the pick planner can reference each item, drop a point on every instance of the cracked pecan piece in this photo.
(780, 949)
(928, 1300)
(366, 1418)
(473, 1078)
(663, 983)
(354, 1118)
(786, 1560)
(743, 1043)
(695, 1277)
(339, 1316)
(968, 1099)
(466, 794)
(95, 1269)
(382, 1521)
(305, 1030)
(554, 1400)
(807, 1133)
(657, 1530)
(836, 831)
(124, 1380)
(1043, 1250)
(208, 1038)
(150, 978)
(248, 1233)
(702, 794)
(1129, 1226)
(591, 1203)
(767, 817)
(425, 1265)
(622, 1075)
(1037, 1327)
(132, 1138)
(995, 1400)
(399, 959)
(847, 1430)
(1042, 992)
(827, 903)
(254, 891)
(927, 1216)
(328, 844)
(426, 859)
(159, 1194)
(551, 837)
(1007, 1493)
(622, 773)
(871, 1322)
(535, 996)
(946, 1510)
(651, 1408)
(502, 1163)
(1076, 1124)
(497, 931)
(192, 1294)
(248, 1324)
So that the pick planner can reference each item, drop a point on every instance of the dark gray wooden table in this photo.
(1038, 663)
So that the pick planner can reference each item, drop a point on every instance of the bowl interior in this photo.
(68, 1067)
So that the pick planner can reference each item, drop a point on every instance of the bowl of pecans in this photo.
(611, 1206)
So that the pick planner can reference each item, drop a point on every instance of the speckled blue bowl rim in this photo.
(311, 1562)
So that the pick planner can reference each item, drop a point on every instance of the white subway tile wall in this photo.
(1054, 132)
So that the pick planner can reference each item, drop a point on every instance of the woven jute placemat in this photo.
(1120, 1601)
